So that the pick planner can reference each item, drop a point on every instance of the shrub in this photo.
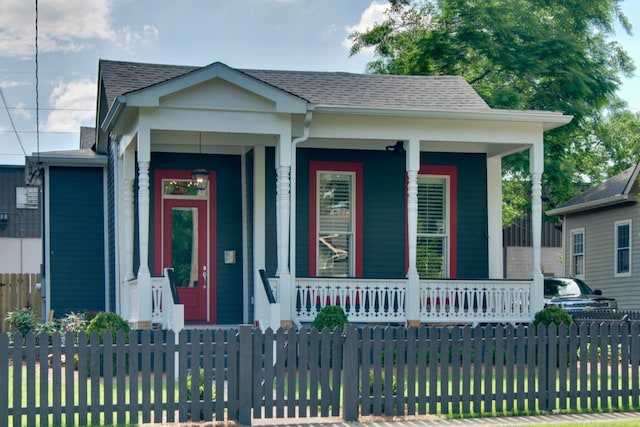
(74, 322)
(23, 320)
(552, 315)
(108, 321)
(330, 316)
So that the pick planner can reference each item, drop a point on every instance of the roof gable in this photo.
(616, 189)
(194, 80)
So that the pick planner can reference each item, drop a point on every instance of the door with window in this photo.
(184, 239)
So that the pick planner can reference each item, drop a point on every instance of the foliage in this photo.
(200, 386)
(599, 353)
(330, 316)
(74, 322)
(107, 321)
(552, 315)
(23, 320)
(528, 55)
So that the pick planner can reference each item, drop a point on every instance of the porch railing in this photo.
(475, 301)
(363, 300)
(441, 301)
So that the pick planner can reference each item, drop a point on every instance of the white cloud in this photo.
(74, 105)
(21, 111)
(374, 14)
(63, 26)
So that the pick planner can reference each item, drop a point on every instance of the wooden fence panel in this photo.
(248, 375)
(18, 291)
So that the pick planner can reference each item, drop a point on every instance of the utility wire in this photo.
(37, 92)
(13, 126)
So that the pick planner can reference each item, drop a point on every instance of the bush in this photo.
(108, 321)
(331, 316)
(552, 315)
(23, 320)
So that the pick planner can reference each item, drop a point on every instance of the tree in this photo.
(518, 54)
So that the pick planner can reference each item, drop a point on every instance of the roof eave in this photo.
(600, 203)
(550, 120)
(68, 158)
(114, 113)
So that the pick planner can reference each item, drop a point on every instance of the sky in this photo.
(73, 35)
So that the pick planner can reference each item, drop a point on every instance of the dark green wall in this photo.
(76, 214)
(385, 209)
(229, 223)
(473, 257)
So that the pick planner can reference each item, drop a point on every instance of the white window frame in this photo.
(351, 251)
(617, 225)
(572, 255)
(447, 231)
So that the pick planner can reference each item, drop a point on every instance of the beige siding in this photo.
(599, 229)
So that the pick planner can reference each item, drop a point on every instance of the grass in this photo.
(434, 383)
(583, 424)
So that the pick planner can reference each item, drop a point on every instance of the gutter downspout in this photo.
(292, 206)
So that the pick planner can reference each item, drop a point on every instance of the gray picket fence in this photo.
(242, 375)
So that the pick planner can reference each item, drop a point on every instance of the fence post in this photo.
(350, 371)
(245, 375)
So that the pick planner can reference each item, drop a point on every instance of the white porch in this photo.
(376, 301)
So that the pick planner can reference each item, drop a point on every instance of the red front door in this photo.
(185, 250)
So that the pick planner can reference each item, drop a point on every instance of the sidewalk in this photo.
(433, 421)
(597, 419)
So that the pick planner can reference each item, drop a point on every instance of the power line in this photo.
(13, 126)
(50, 109)
(37, 93)
(43, 132)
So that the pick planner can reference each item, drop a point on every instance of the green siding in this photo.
(229, 224)
(76, 214)
(384, 240)
(473, 259)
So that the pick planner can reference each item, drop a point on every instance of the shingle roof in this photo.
(614, 190)
(320, 88)
(87, 137)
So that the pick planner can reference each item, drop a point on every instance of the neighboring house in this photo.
(20, 219)
(601, 232)
(380, 193)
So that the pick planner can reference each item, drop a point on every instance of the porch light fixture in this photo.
(200, 177)
(398, 148)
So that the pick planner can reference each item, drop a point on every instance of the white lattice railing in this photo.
(163, 309)
(157, 303)
(362, 300)
(475, 301)
(441, 301)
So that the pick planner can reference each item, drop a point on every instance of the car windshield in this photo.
(565, 288)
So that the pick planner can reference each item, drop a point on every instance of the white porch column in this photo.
(494, 213)
(537, 167)
(125, 234)
(127, 213)
(283, 207)
(412, 296)
(260, 306)
(144, 274)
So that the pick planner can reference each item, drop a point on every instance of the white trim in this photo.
(616, 226)
(47, 242)
(572, 269)
(245, 253)
(494, 215)
(447, 232)
(352, 255)
(105, 243)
